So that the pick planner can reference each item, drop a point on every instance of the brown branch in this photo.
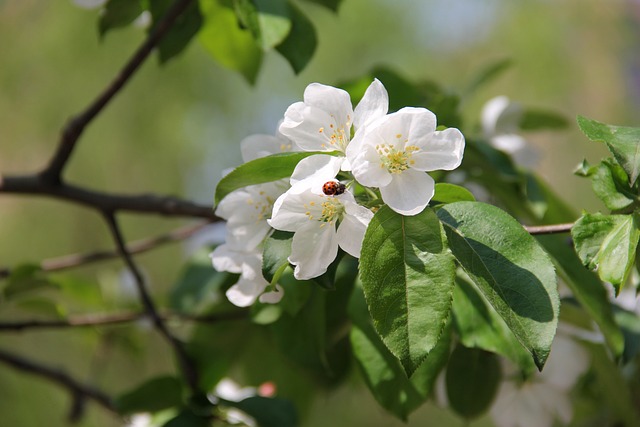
(139, 246)
(74, 127)
(78, 391)
(186, 365)
(94, 320)
(548, 229)
(145, 203)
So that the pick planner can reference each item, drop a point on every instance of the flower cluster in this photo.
(372, 157)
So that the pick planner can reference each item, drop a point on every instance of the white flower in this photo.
(321, 223)
(228, 389)
(246, 211)
(324, 121)
(501, 120)
(394, 152)
(260, 145)
(544, 398)
(252, 285)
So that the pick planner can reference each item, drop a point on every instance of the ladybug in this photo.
(333, 188)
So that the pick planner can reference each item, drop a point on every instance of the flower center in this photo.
(262, 206)
(328, 212)
(339, 136)
(394, 160)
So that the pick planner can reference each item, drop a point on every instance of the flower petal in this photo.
(246, 291)
(272, 297)
(293, 209)
(351, 230)
(368, 169)
(331, 100)
(260, 145)
(319, 167)
(313, 249)
(224, 258)
(373, 105)
(409, 192)
(441, 151)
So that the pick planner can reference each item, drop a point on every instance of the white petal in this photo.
(292, 210)
(373, 105)
(368, 169)
(352, 228)
(246, 236)
(232, 203)
(272, 297)
(333, 101)
(500, 115)
(224, 258)
(407, 123)
(318, 168)
(409, 192)
(256, 146)
(244, 292)
(443, 150)
(313, 249)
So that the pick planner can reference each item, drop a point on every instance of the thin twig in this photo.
(94, 320)
(144, 203)
(76, 389)
(139, 246)
(74, 128)
(548, 229)
(186, 365)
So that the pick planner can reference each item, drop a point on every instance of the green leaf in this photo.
(186, 26)
(26, 278)
(611, 184)
(586, 287)
(539, 119)
(268, 412)
(630, 325)
(623, 143)
(275, 254)
(117, 14)
(42, 306)
(187, 418)
(487, 74)
(258, 171)
(449, 193)
(382, 371)
(329, 4)
(407, 275)
(300, 45)
(509, 268)
(227, 42)
(268, 20)
(607, 243)
(479, 326)
(152, 396)
(472, 379)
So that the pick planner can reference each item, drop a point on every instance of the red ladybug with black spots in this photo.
(333, 188)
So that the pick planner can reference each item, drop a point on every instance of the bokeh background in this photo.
(174, 129)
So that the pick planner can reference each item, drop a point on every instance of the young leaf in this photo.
(611, 184)
(277, 248)
(509, 268)
(268, 412)
(232, 46)
(586, 287)
(299, 46)
(407, 275)
(449, 193)
(383, 373)
(479, 326)
(473, 377)
(259, 171)
(117, 14)
(183, 30)
(621, 141)
(607, 243)
(151, 396)
(268, 20)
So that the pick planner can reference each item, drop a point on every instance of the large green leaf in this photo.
(258, 171)
(472, 379)
(408, 276)
(623, 142)
(382, 371)
(511, 270)
(231, 45)
(300, 45)
(185, 27)
(479, 326)
(449, 193)
(586, 287)
(151, 396)
(268, 20)
(118, 13)
(607, 243)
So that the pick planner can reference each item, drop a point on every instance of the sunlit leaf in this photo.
(268, 20)
(118, 13)
(449, 193)
(300, 44)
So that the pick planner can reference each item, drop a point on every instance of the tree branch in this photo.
(139, 246)
(74, 127)
(106, 202)
(94, 320)
(186, 365)
(548, 229)
(78, 391)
